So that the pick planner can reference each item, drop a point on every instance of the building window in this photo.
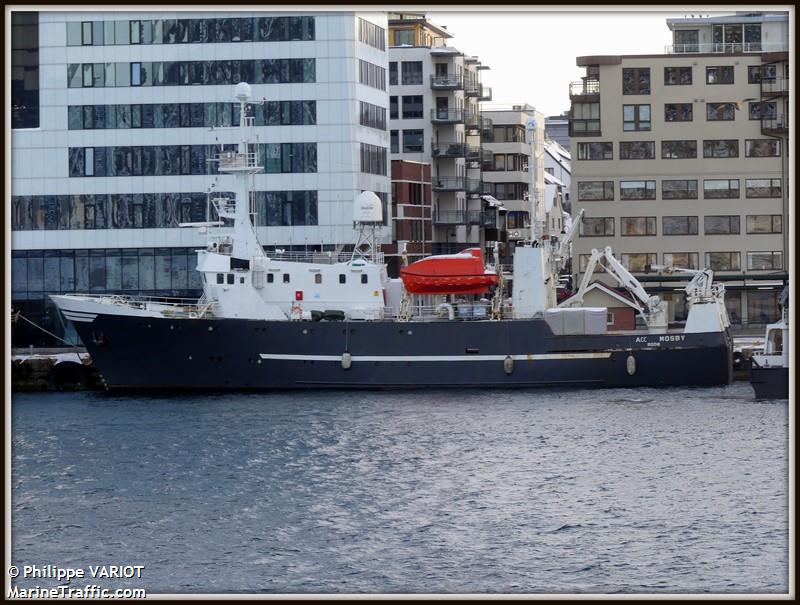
(639, 262)
(373, 159)
(764, 261)
(765, 110)
(636, 81)
(637, 190)
(721, 225)
(762, 148)
(394, 142)
(677, 75)
(685, 260)
(756, 73)
(595, 151)
(393, 115)
(392, 73)
(412, 106)
(722, 74)
(404, 37)
(637, 150)
(371, 34)
(763, 223)
(714, 189)
(718, 112)
(637, 225)
(678, 112)
(597, 227)
(679, 189)
(686, 40)
(635, 117)
(585, 119)
(289, 157)
(723, 261)
(678, 150)
(25, 68)
(756, 188)
(371, 75)
(412, 141)
(589, 191)
(372, 116)
(762, 305)
(411, 72)
(723, 148)
(679, 225)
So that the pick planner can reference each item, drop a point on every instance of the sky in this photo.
(532, 54)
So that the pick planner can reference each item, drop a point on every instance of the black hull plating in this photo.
(770, 383)
(133, 352)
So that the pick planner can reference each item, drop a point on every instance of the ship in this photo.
(322, 320)
(769, 372)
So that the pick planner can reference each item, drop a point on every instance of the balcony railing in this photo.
(726, 48)
(473, 89)
(486, 93)
(448, 116)
(447, 82)
(448, 150)
(778, 123)
(449, 183)
(465, 217)
(472, 120)
(584, 87)
(774, 86)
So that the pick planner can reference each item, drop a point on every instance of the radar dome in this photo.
(367, 208)
(243, 92)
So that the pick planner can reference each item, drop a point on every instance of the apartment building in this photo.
(115, 115)
(556, 128)
(434, 117)
(681, 159)
(507, 168)
(412, 214)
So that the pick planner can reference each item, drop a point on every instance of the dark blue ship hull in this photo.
(770, 383)
(135, 352)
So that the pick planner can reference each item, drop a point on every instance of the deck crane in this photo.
(652, 309)
(701, 289)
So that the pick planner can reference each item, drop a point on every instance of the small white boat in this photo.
(770, 371)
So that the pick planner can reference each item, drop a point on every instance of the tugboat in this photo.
(338, 321)
(769, 374)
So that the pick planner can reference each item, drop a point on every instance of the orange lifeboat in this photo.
(462, 273)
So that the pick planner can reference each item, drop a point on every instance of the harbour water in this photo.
(532, 491)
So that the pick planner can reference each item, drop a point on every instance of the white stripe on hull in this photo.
(529, 357)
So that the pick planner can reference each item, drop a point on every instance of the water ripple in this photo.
(665, 491)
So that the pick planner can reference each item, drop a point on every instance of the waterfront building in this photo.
(411, 214)
(434, 118)
(116, 114)
(681, 159)
(507, 168)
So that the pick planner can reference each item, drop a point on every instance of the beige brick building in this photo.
(681, 159)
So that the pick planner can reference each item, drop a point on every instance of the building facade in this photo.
(680, 159)
(435, 90)
(129, 108)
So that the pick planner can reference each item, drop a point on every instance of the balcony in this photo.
(726, 48)
(474, 186)
(448, 116)
(486, 93)
(473, 89)
(447, 82)
(775, 125)
(449, 150)
(585, 90)
(774, 87)
(449, 183)
(473, 122)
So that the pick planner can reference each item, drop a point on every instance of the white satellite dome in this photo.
(243, 92)
(367, 208)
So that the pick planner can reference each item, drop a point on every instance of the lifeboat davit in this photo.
(462, 273)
